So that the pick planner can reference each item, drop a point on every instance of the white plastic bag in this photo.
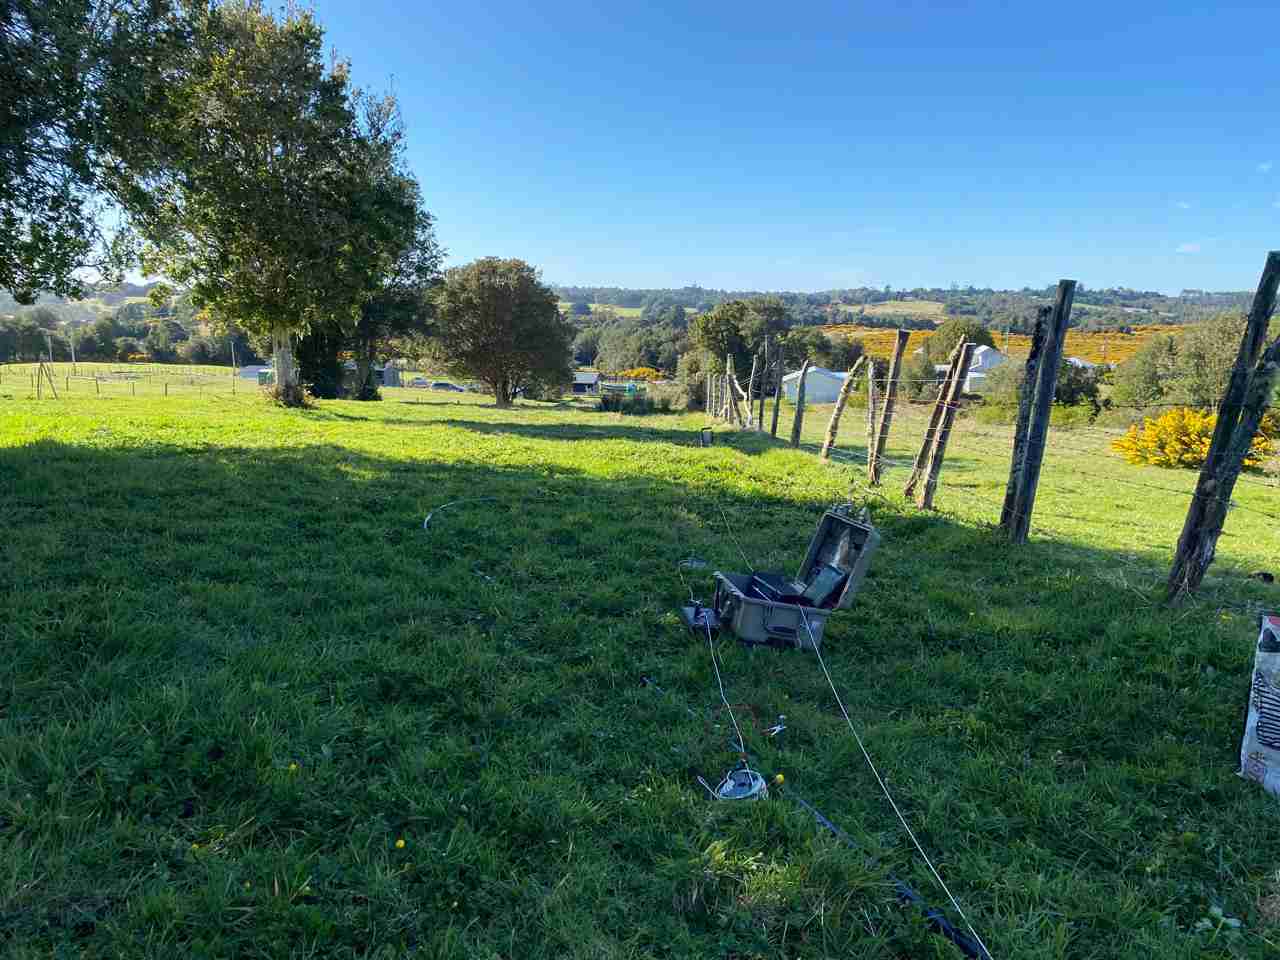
(1260, 749)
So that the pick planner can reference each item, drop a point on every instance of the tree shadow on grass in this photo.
(264, 654)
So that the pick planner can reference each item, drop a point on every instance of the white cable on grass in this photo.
(729, 528)
(888, 796)
(742, 747)
(445, 506)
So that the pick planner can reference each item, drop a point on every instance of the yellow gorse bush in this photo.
(640, 373)
(1180, 438)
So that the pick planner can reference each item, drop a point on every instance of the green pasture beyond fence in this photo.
(121, 379)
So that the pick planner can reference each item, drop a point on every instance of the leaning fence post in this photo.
(833, 427)
(780, 370)
(1041, 409)
(873, 401)
(935, 421)
(939, 449)
(764, 385)
(798, 421)
(875, 453)
(731, 383)
(1026, 394)
(751, 385)
(1239, 413)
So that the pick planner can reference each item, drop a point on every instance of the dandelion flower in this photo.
(400, 844)
(293, 768)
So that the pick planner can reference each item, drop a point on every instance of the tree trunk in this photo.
(502, 392)
(287, 389)
(361, 389)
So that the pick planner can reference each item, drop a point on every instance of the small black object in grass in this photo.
(215, 753)
(1263, 576)
(188, 808)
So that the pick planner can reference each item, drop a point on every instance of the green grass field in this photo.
(250, 707)
(929, 309)
(630, 313)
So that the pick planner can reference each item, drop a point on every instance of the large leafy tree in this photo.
(496, 321)
(77, 80)
(950, 332)
(264, 193)
(738, 327)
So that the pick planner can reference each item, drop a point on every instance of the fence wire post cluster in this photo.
(875, 449)
(1020, 496)
(1246, 399)
(797, 423)
(833, 427)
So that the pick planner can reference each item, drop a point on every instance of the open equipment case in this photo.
(772, 609)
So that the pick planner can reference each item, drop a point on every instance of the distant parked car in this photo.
(419, 382)
(446, 385)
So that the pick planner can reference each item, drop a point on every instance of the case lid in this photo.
(842, 542)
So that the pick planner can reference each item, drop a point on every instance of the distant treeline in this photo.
(1106, 308)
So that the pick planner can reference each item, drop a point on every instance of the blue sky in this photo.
(808, 146)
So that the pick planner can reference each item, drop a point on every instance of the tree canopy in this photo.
(496, 321)
(76, 77)
(266, 190)
(950, 332)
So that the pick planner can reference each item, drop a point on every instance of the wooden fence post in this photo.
(764, 386)
(939, 449)
(1026, 394)
(777, 394)
(798, 421)
(935, 421)
(875, 453)
(833, 428)
(1246, 399)
(751, 386)
(1024, 498)
(873, 401)
(730, 393)
(707, 399)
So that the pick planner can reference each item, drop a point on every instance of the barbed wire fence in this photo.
(120, 380)
(1080, 486)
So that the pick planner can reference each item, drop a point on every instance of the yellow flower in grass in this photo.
(400, 844)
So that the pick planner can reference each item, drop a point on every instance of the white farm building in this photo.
(821, 385)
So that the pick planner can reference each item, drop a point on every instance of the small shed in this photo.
(985, 359)
(586, 382)
(821, 385)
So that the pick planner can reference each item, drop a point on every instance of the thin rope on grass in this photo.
(742, 747)
(889, 796)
